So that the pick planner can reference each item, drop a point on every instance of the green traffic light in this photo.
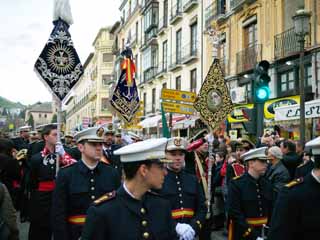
(263, 93)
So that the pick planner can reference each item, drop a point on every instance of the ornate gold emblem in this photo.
(213, 101)
(177, 142)
(100, 132)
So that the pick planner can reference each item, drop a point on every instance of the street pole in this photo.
(302, 93)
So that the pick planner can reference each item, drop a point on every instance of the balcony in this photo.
(214, 11)
(237, 4)
(176, 13)
(189, 5)
(147, 4)
(248, 58)
(162, 69)
(115, 49)
(150, 37)
(286, 44)
(175, 62)
(163, 24)
(189, 53)
(133, 41)
(150, 74)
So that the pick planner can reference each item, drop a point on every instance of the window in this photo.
(150, 57)
(178, 45)
(107, 57)
(104, 103)
(193, 38)
(136, 63)
(45, 115)
(165, 55)
(178, 83)
(250, 35)
(107, 79)
(165, 12)
(151, 17)
(164, 85)
(137, 30)
(287, 81)
(153, 100)
(308, 75)
(144, 103)
(39, 115)
(248, 91)
(193, 80)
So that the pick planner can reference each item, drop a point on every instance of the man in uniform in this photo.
(79, 184)
(109, 147)
(250, 198)
(22, 142)
(297, 212)
(42, 176)
(183, 191)
(70, 148)
(133, 211)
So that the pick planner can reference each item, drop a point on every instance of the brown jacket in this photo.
(8, 212)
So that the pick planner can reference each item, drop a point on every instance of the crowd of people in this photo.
(102, 184)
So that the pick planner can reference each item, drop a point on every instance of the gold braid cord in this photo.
(213, 101)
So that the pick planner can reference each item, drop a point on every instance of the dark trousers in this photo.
(39, 232)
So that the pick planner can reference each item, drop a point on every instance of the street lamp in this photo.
(302, 28)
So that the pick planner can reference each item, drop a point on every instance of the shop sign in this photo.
(269, 106)
(237, 114)
(170, 94)
(312, 110)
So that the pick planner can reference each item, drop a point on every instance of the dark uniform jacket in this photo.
(250, 206)
(291, 161)
(42, 176)
(76, 188)
(297, 211)
(186, 197)
(304, 169)
(118, 216)
(20, 143)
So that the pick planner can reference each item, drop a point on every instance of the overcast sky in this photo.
(25, 26)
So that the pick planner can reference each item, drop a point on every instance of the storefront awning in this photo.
(150, 122)
(292, 112)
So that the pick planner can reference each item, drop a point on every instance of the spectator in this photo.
(7, 212)
(306, 167)
(291, 159)
(300, 149)
(278, 174)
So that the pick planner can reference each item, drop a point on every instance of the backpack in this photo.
(4, 229)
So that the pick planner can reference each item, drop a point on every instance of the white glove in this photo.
(185, 231)
(59, 149)
(259, 238)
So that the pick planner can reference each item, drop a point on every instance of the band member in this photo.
(133, 211)
(22, 142)
(183, 191)
(79, 184)
(42, 181)
(297, 213)
(109, 147)
(250, 198)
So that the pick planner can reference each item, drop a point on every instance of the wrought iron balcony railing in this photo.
(175, 61)
(286, 44)
(189, 53)
(163, 68)
(213, 11)
(176, 12)
(149, 74)
(248, 58)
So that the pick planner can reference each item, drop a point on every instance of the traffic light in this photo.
(261, 90)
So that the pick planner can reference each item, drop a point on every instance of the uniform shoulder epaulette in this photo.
(105, 197)
(300, 165)
(294, 182)
(236, 177)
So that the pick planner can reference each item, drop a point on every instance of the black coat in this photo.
(114, 160)
(304, 169)
(249, 200)
(291, 161)
(186, 197)
(76, 188)
(297, 211)
(121, 217)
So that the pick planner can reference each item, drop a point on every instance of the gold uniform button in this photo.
(143, 211)
(146, 235)
(144, 223)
